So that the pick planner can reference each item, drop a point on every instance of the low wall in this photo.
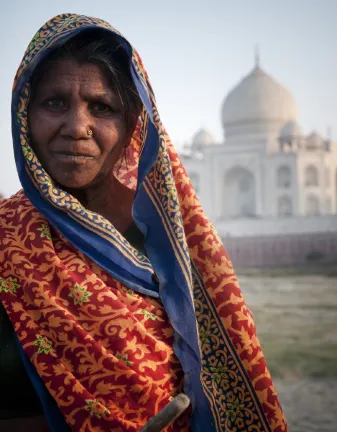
(282, 250)
(277, 226)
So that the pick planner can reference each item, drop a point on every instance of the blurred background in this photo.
(248, 93)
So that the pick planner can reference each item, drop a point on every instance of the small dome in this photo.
(290, 130)
(314, 140)
(257, 100)
(201, 139)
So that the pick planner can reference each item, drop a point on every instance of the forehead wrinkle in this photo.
(95, 82)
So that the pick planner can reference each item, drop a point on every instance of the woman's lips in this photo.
(73, 157)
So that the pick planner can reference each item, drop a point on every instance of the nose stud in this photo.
(90, 132)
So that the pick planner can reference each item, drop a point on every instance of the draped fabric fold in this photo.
(111, 343)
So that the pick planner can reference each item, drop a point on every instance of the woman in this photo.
(118, 289)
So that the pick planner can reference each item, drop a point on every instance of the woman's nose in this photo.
(77, 123)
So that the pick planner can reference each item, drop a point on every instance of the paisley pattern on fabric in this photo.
(103, 350)
(221, 311)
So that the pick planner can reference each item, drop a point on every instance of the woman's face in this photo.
(71, 100)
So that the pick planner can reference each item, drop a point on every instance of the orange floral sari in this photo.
(111, 343)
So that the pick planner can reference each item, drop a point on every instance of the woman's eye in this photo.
(100, 108)
(56, 104)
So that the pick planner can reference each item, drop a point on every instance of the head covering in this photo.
(225, 374)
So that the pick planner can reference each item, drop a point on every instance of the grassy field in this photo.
(296, 319)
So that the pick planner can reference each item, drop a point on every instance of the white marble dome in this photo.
(201, 139)
(291, 130)
(314, 140)
(257, 102)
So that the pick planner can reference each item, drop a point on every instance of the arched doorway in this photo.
(313, 206)
(239, 198)
(311, 176)
(195, 180)
(284, 206)
(284, 177)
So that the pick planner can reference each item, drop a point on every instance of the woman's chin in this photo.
(73, 183)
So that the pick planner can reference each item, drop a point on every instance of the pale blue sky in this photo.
(195, 52)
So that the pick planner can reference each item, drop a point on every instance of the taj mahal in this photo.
(267, 180)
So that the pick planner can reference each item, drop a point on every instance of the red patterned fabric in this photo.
(104, 352)
(222, 284)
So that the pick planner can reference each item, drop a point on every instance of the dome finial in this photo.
(257, 56)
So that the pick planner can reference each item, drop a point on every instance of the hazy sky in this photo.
(195, 51)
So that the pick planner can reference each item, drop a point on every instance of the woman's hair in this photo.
(105, 50)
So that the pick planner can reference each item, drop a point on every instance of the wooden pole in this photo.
(167, 415)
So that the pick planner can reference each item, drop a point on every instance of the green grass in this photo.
(297, 327)
(296, 360)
